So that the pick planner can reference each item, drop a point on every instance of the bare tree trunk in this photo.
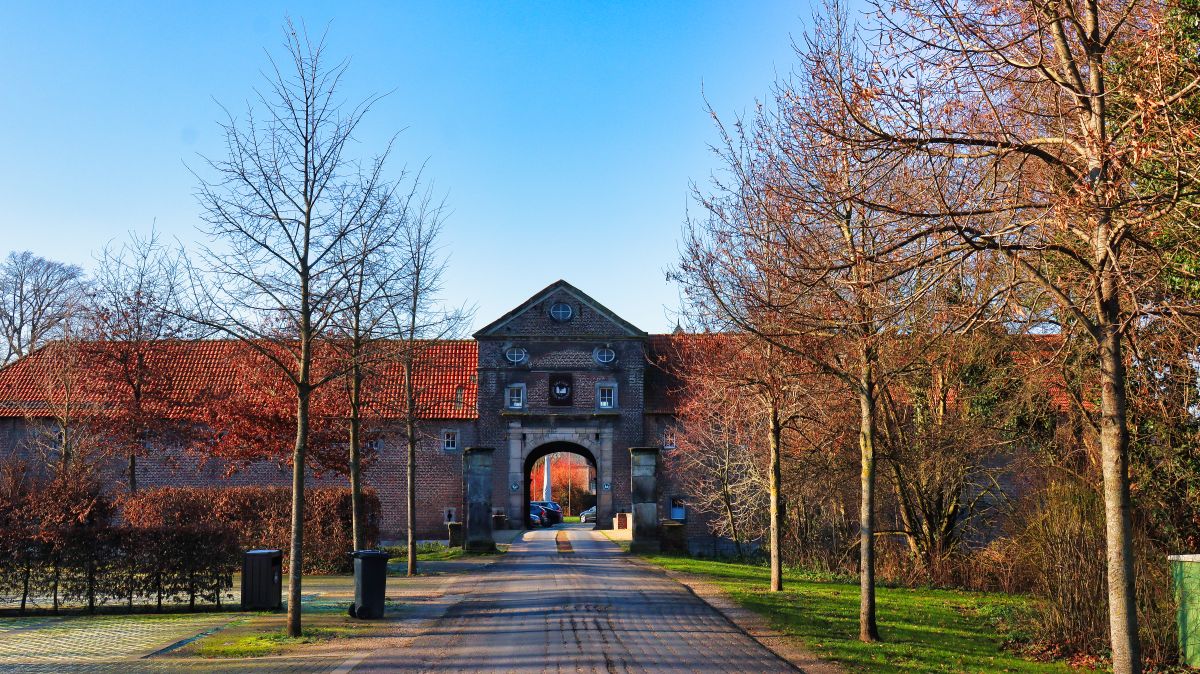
(358, 525)
(296, 569)
(132, 473)
(776, 511)
(733, 530)
(410, 427)
(1114, 454)
(867, 628)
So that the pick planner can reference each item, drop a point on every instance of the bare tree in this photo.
(789, 253)
(423, 321)
(278, 212)
(130, 318)
(63, 429)
(764, 393)
(36, 296)
(375, 272)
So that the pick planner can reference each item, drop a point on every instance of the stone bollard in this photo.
(674, 537)
(455, 531)
(477, 479)
(644, 473)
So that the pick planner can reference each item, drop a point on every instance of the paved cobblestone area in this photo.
(538, 610)
(95, 639)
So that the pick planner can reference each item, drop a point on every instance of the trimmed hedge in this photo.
(261, 517)
(59, 547)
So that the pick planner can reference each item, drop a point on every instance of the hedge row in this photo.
(59, 547)
(261, 517)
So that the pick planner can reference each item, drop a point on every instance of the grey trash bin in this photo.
(262, 580)
(370, 583)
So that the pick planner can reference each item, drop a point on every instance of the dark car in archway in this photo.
(538, 516)
(553, 511)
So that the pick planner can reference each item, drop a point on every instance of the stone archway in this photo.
(592, 441)
(546, 450)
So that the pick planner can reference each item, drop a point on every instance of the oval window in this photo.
(561, 311)
(516, 355)
(604, 355)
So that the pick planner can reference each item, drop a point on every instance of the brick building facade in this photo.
(560, 372)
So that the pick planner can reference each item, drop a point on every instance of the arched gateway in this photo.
(561, 372)
(545, 450)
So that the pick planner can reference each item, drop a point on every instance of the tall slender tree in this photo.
(130, 318)
(423, 321)
(787, 252)
(375, 273)
(279, 209)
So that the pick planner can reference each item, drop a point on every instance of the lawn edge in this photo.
(788, 648)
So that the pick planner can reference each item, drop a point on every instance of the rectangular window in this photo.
(606, 396)
(450, 441)
(515, 397)
(669, 439)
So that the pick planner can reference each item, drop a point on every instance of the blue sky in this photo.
(565, 135)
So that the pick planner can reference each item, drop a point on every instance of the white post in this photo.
(546, 480)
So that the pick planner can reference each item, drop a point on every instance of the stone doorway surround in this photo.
(525, 436)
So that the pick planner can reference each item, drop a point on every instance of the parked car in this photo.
(537, 516)
(553, 510)
(588, 515)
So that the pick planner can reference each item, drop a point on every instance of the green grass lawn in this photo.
(923, 630)
(426, 552)
(235, 643)
(571, 519)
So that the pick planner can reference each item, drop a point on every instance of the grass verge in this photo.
(571, 519)
(426, 552)
(923, 630)
(237, 643)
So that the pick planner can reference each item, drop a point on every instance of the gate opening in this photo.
(572, 478)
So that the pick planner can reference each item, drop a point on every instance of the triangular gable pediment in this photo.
(516, 322)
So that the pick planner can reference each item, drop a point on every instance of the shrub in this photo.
(260, 517)
(60, 547)
(1066, 564)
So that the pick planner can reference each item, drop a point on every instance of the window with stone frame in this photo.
(514, 397)
(606, 395)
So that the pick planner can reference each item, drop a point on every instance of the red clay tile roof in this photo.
(445, 377)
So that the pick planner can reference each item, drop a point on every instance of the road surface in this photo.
(590, 610)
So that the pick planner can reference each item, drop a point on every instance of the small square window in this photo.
(449, 515)
(606, 396)
(514, 397)
(450, 441)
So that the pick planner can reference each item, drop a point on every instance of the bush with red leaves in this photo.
(260, 517)
(59, 548)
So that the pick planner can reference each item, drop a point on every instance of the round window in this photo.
(561, 311)
(516, 355)
(604, 355)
